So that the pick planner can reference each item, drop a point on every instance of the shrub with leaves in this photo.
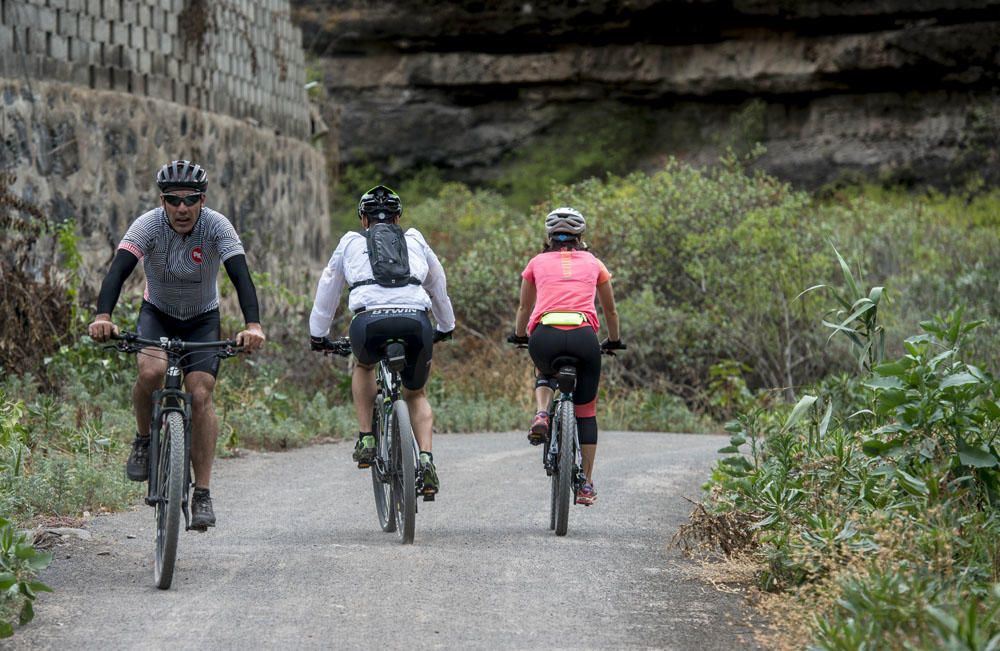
(20, 564)
(874, 500)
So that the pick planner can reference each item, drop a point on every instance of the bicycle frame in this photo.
(389, 382)
(553, 448)
(567, 384)
(171, 397)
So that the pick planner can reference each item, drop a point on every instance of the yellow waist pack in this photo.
(563, 318)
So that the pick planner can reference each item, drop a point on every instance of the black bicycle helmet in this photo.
(182, 174)
(380, 204)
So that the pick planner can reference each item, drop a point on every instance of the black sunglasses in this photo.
(176, 199)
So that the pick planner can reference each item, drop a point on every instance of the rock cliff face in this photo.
(892, 88)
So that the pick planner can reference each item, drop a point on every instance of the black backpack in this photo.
(389, 257)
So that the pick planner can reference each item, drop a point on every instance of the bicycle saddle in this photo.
(567, 372)
(395, 353)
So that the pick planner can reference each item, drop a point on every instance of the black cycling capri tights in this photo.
(547, 343)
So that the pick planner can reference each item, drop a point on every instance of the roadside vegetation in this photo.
(710, 267)
(869, 512)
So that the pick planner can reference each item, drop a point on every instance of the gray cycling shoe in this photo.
(431, 484)
(202, 515)
(137, 466)
(364, 451)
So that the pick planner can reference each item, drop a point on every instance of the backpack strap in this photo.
(412, 280)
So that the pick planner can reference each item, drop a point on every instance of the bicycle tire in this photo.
(553, 477)
(404, 475)
(567, 456)
(380, 477)
(554, 481)
(170, 475)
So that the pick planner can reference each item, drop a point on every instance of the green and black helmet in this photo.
(380, 204)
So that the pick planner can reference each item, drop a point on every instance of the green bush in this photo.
(875, 502)
(20, 564)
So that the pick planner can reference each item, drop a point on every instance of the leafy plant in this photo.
(861, 325)
(20, 564)
(877, 515)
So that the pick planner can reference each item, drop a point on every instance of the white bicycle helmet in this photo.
(565, 220)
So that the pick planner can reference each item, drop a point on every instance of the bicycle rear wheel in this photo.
(564, 476)
(170, 480)
(404, 473)
(553, 476)
(380, 474)
(554, 481)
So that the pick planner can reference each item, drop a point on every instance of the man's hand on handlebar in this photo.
(320, 343)
(252, 338)
(340, 347)
(102, 328)
(442, 336)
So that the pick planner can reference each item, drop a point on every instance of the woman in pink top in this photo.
(557, 310)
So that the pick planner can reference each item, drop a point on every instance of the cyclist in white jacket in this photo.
(384, 312)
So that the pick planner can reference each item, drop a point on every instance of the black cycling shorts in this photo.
(154, 324)
(372, 329)
(548, 342)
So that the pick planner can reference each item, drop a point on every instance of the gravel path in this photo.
(298, 560)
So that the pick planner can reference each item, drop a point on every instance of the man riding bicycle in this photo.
(390, 301)
(181, 244)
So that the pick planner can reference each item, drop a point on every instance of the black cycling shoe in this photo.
(137, 466)
(202, 515)
(431, 484)
(364, 451)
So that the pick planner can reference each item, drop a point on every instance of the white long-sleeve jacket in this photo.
(349, 264)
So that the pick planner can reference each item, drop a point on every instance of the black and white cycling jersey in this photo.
(182, 270)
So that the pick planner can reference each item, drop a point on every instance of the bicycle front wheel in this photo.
(404, 473)
(564, 476)
(381, 482)
(170, 479)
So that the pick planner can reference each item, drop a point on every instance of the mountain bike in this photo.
(397, 477)
(169, 484)
(562, 456)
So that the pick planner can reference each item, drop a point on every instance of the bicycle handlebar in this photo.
(341, 346)
(607, 347)
(130, 342)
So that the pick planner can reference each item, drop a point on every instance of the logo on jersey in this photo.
(196, 256)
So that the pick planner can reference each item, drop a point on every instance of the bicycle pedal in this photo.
(363, 466)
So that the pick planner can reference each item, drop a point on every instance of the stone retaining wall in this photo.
(95, 95)
(239, 57)
(92, 156)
